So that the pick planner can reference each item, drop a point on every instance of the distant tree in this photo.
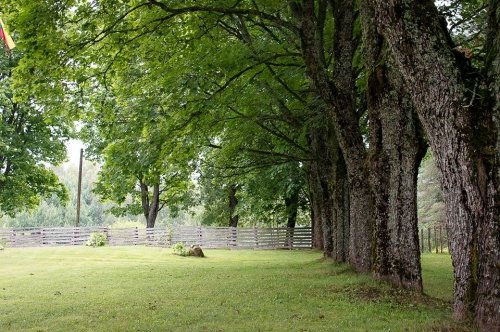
(431, 209)
(145, 167)
(53, 213)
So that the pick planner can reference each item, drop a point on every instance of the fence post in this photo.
(13, 238)
(170, 235)
(200, 236)
(106, 231)
(234, 237)
(255, 237)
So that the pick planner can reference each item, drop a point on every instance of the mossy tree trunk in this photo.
(328, 181)
(314, 202)
(341, 211)
(488, 292)
(321, 184)
(396, 149)
(462, 137)
(338, 93)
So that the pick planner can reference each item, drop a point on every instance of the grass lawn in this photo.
(149, 289)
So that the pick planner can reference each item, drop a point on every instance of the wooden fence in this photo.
(207, 237)
(434, 239)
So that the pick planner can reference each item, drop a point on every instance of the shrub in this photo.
(97, 239)
(179, 249)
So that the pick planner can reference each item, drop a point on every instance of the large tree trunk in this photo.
(321, 183)
(488, 292)
(151, 207)
(144, 199)
(339, 95)
(233, 201)
(154, 207)
(292, 207)
(341, 210)
(396, 149)
(328, 182)
(396, 152)
(434, 80)
(314, 202)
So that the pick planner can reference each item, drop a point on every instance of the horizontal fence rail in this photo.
(207, 237)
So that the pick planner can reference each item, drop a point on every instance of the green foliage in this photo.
(155, 95)
(180, 249)
(466, 20)
(261, 195)
(97, 239)
(430, 202)
(31, 138)
(53, 213)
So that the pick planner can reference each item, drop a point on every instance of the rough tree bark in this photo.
(396, 153)
(396, 150)
(339, 96)
(341, 210)
(317, 229)
(328, 181)
(150, 207)
(321, 183)
(488, 292)
(449, 116)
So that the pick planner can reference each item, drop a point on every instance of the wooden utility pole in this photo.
(79, 189)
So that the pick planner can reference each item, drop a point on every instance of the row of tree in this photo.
(335, 99)
(134, 174)
(56, 212)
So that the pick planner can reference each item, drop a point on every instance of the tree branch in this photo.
(227, 11)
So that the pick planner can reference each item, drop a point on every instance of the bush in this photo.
(179, 249)
(97, 239)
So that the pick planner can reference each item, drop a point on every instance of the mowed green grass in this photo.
(150, 289)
